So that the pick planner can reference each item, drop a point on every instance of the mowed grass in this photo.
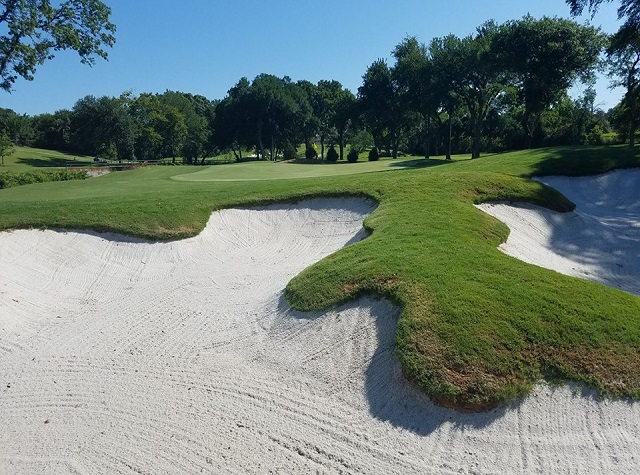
(477, 327)
(260, 170)
(25, 159)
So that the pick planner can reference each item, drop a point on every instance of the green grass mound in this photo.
(477, 327)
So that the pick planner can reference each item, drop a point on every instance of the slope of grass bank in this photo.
(24, 159)
(477, 327)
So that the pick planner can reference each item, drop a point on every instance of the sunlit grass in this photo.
(27, 159)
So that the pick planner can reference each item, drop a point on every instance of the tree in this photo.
(53, 131)
(475, 76)
(444, 74)
(18, 127)
(383, 110)
(194, 110)
(344, 116)
(545, 57)
(6, 146)
(34, 29)
(629, 9)
(231, 127)
(104, 127)
(413, 72)
(623, 57)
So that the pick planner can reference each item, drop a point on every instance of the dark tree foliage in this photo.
(623, 56)
(33, 30)
(352, 156)
(545, 57)
(381, 103)
(332, 154)
(310, 152)
(628, 9)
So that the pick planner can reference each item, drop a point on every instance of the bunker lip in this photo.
(598, 241)
(179, 357)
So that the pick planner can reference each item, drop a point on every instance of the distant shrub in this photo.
(595, 136)
(310, 153)
(352, 156)
(332, 154)
(10, 179)
(289, 152)
(374, 155)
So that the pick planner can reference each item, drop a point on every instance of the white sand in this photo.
(599, 241)
(122, 356)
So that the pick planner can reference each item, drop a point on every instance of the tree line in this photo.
(503, 87)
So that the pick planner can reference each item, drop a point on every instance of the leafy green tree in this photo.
(332, 154)
(444, 72)
(278, 110)
(194, 110)
(473, 73)
(171, 126)
(6, 146)
(53, 131)
(380, 99)
(326, 101)
(623, 58)
(545, 57)
(18, 127)
(310, 152)
(345, 115)
(414, 74)
(231, 126)
(103, 126)
(629, 9)
(361, 140)
(33, 30)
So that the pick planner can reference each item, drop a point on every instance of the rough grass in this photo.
(477, 327)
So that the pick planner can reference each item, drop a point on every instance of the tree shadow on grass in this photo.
(391, 398)
(581, 161)
(52, 162)
(420, 163)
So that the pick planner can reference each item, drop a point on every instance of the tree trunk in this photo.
(322, 147)
(260, 144)
(272, 151)
(448, 157)
(394, 145)
(341, 144)
(428, 141)
(632, 119)
(475, 147)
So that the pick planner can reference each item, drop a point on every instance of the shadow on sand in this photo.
(390, 396)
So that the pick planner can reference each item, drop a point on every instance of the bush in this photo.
(9, 179)
(310, 153)
(289, 152)
(374, 155)
(352, 156)
(595, 136)
(332, 155)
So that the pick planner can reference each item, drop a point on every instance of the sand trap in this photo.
(599, 241)
(122, 356)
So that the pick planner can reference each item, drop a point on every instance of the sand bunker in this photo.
(599, 241)
(123, 356)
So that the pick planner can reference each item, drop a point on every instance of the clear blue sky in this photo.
(205, 46)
